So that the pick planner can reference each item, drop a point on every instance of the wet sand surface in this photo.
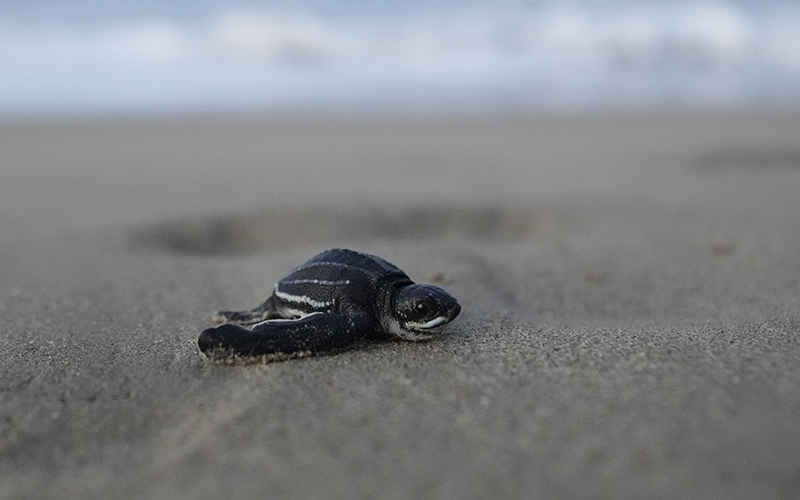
(630, 289)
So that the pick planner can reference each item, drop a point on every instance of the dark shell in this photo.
(378, 268)
(337, 277)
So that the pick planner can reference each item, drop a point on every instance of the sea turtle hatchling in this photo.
(332, 301)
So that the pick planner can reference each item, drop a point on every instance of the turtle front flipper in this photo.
(280, 339)
(267, 310)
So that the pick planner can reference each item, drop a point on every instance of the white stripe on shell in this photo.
(302, 299)
(282, 320)
(295, 313)
(316, 282)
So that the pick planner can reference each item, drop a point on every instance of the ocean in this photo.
(104, 57)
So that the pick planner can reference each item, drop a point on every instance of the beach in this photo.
(630, 286)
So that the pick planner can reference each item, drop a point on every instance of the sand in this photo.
(630, 289)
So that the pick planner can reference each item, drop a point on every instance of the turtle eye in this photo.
(424, 309)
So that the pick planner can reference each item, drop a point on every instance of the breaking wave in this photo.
(540, 55)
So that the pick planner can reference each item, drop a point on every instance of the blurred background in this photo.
(105, 57)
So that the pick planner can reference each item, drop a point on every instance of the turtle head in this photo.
(420, 309)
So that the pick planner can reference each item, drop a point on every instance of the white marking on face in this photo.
(302, 299)
(391, 325)
(433, 323)
(317, 282)
(409, 331)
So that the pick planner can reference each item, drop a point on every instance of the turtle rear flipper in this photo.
(278, 339)
(265, 311)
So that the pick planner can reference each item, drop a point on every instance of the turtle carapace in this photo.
(332, 301)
